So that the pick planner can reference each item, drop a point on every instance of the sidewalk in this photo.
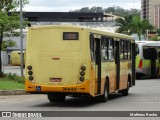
(12, 69)
(13, 92)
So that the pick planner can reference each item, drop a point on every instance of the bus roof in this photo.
(149, 43)
(92, 30)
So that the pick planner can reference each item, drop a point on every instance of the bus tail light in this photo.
(30, 78)
(82, 73)
(81, 79)
(30, 73)
(83, 68)
(140, 64)
(29, 67)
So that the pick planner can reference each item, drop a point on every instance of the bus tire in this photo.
(56, 97)
(125, 91)
(104, 97)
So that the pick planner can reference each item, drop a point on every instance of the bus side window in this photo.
(121, 50)
(136, 50)
(129, 50)
(125, 55)
(104, 48)
(111, 49)
(92, 47)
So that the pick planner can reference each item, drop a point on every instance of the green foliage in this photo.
(9, 22)
(158, 32)
(15, 77)
(124, 24)
(116, 10)
(8, 43)
(155, 38)
(6, 84)
(140, 27)
(133, 24)
(11, 5)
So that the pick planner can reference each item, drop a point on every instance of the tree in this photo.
(96, 9)
(9, 21)
(133, 24)
(140, 27)
(85, 9)
(109, 10)
(158, 32)
(124, 24)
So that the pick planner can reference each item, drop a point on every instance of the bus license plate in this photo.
(69, 89)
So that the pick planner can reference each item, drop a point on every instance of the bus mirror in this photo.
(158, 54)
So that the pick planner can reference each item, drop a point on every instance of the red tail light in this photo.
(140, 64)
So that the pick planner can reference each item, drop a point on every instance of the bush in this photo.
(15, 77)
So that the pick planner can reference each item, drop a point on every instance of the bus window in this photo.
(149, 53)
(104, 49)
(121, 50)
(111, 49)
(129, 49)
(125, 55)
(92, 47)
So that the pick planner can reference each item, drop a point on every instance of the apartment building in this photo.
(150, 10)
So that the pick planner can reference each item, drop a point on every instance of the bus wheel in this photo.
(125, 91)
(56, 97)
(104, 97)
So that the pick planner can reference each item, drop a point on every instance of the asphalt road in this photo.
(145, 96)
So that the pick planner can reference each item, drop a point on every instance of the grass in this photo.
(7, 84)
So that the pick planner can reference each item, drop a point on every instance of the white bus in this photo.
(147, 63)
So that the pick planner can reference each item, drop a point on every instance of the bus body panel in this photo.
(57, 58)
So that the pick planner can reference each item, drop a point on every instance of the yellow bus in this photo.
(15, 58)
(66, 60)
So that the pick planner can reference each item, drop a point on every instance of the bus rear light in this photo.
(30, 72)
(30, 78)
(140, 64)
(29, 67)
(83, 68)
(82, 73)
(81, 79)
(55, 79)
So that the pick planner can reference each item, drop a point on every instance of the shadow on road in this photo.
(78, 102)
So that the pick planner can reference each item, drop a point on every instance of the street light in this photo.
(21, 36)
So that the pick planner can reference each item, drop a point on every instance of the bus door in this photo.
(95, 48)
(117, 62)
(98, 64)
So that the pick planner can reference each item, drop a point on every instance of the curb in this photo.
(13, 92)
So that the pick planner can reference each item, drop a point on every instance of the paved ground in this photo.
(145, 96)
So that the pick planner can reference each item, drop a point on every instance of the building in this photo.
(94, 20)
(150, 10)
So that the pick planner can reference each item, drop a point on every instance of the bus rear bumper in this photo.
(40, 89)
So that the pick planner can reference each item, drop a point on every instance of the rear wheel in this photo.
(104, 97)
(56, 97)
(125, 91)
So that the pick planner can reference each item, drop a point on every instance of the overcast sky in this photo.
(67, 5)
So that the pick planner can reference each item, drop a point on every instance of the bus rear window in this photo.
(70, 35)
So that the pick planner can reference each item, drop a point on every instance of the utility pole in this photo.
(21, 36)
